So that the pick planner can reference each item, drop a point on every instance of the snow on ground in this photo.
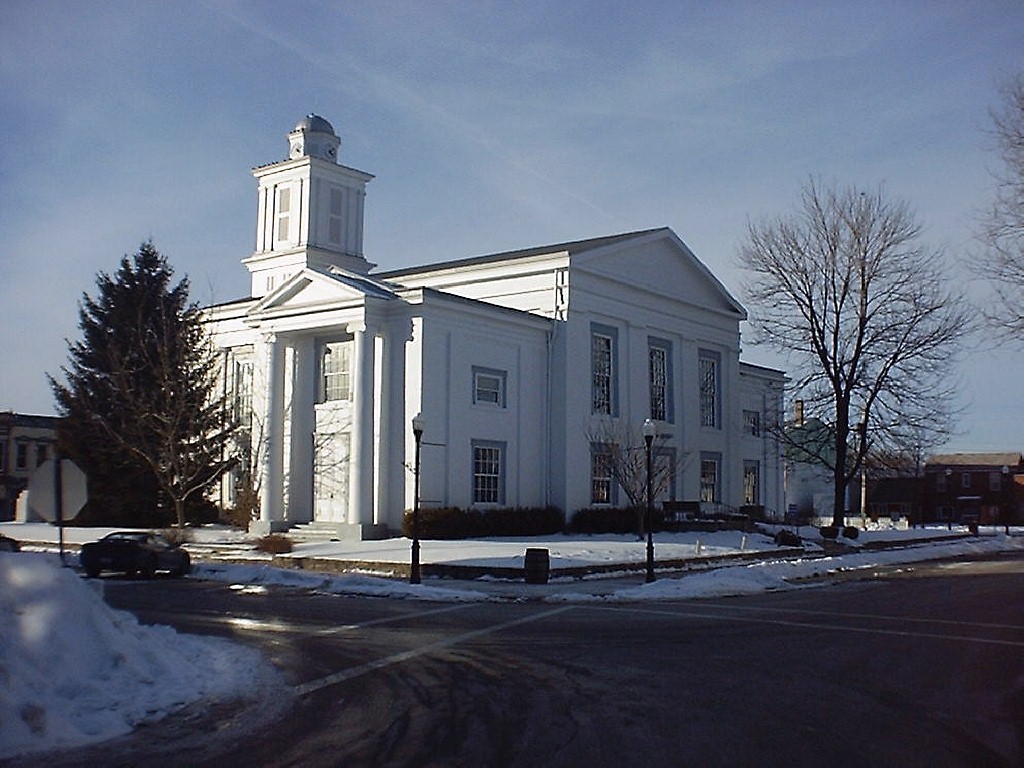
(74, 671)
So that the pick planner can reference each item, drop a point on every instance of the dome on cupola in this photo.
(313, 136)
(314, 124)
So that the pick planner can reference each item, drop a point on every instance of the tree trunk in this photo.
(839, 471)
(839, 499)
(179, 512)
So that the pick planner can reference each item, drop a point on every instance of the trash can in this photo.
(537, 566)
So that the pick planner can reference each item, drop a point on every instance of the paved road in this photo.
(922, 667)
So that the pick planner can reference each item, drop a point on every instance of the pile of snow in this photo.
(771, 574)
(75, 671)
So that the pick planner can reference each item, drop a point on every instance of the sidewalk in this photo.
(581, 567)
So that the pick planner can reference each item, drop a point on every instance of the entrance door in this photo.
(330, 477)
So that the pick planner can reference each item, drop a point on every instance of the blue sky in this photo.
(489, 126)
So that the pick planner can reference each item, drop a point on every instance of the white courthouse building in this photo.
(514, 361)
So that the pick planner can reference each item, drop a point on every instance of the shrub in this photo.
(612, 520)
(245, 510)
(274, 544)
(603, 520)
(178, 535)
(851, 532)
(201, 512)
(829, 532)
(456, 523)
(786, 538)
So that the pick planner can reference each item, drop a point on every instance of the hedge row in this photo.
(612, 520)
(456, 523)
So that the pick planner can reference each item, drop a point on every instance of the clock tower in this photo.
(310, 210)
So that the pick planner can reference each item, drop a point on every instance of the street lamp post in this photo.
(650, 429)
(1007, 505)
(417, 433)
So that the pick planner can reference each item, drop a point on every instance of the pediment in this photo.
(659, 262)
(311, 288)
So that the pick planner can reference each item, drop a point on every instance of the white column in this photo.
(271, 471)
(361, 454)
(382, 415)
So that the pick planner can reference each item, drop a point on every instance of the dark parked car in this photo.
(8, 544)
(134, 552)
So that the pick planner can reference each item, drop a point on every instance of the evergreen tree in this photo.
(142, 414)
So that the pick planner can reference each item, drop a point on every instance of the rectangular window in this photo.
(965, 479)
(334, 216)
(489, 386)
(337, 371)
(751, 482)
(602, 361)
(602, 486)
(488, 472)
(41, 454)
(659, 370)
(709, 482)
(940, 482)
(21, 459)
(664, 466)
(3, 455)
(995, 482)
(752, 423)
(709, 389)
(284, 207)
(241, 391)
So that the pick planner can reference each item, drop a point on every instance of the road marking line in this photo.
(393, 619)
(879, 616)
(398, 658)
(811, 625)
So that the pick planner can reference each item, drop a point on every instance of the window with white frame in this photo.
(489, 386)
(42, 453)
(709, 363)
(242, 392)
(284, 208)
(940, 482)
(337, 371)
(488, 472)
(603, 369)
(659, 370)
(335, 216)
(665, 464)
(709, 477)
(965, 479)
(602, 484)
(751, 482)
(21, 457)
(3, 455)
(752, 423)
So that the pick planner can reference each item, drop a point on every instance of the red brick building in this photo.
(985, 488)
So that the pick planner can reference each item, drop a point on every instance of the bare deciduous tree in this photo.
(622, 446)
(865, 315)
(1002, 233)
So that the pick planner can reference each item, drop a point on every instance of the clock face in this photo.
(330, 151)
